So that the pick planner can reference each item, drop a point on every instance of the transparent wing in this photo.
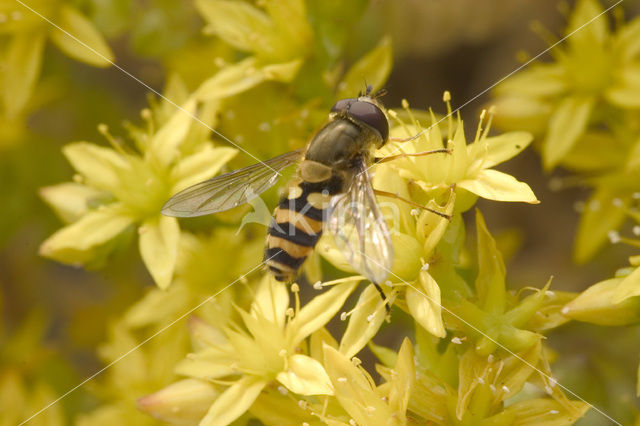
(229, 190)
(360, 231)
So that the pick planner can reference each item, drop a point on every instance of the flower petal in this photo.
(567, 124)
(99, 165)
(423, 301)
(597, 305)
(158, 243)
(200, 166)
(184, 401)
(75, 243)
(233, 402)
(244, 75)
(305, 376)
(501, 148)
(320, 310)
(21, 70)
(600, 217)
(69, 200)
(629, 287)
(490, 283)
(498, 186)
(364, 322)
(354, 391)
(165, 142)
(540, 80)
(625, 93)
(240, 24)
(587, 24)
(271, 301)
(403, 379)
(76, 36)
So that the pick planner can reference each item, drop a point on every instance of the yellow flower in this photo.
(269, 346)
(468, 167)
(118, 189)
(363, 401)
(141, 371)
(205, 265)
(594, 71)
(26, 33)
(457, 386)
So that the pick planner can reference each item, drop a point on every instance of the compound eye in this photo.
(372, 115)
(343, 105)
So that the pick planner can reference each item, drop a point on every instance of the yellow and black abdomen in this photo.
(297, 226)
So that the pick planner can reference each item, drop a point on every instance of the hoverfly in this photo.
(331, 191)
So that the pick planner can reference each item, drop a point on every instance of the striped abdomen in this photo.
(297, 226)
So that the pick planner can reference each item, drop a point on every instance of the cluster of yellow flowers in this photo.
(472, 351)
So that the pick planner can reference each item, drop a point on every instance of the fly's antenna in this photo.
(380, 93)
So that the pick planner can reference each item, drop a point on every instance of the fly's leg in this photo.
(411, 203)
(415, 154)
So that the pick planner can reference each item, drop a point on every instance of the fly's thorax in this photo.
(340, 141)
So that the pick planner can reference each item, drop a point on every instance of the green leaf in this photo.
(600, 217)
(566, 126)
(233, 402)
(159, 247)
(374, 68)
(79, 38)
(23, 59)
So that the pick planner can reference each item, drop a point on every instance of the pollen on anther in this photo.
(456, 340)
(342, 379)
(343, 316)
(282, 353)
(636, 230)
(617, 202)
(388, 283)
(317, 285)
(554, 412)
(614, 236)
(302, 404)
(295, 288)
(282, 390)
(371, 317)
(505, 388)
(446, 97)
